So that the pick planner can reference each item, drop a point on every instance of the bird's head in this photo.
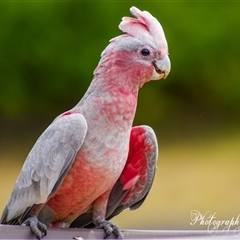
(139, 55)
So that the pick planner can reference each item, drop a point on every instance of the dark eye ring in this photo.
(145, 52)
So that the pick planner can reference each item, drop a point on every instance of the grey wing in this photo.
(46, 165)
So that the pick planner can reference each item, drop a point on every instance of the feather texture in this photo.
(47, 164)
(135, 182)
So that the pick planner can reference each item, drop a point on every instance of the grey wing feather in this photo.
(47, 164)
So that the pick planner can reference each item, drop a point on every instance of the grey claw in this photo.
(109, 228)
(38, 229)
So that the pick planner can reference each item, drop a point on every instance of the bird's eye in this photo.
(145, 52)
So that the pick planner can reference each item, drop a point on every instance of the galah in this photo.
(76, 164)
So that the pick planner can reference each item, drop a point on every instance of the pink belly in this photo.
(84, 183)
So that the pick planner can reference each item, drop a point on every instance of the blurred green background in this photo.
(48, 51)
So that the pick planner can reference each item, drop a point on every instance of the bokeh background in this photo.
(48, 51)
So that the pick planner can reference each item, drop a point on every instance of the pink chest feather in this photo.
(84, 183)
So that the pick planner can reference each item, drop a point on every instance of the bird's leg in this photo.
(99, 212)
(38, 229)
(109, 228)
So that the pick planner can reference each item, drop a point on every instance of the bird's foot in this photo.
(109, 228)
(38, 229)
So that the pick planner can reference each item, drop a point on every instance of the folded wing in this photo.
(46, 166)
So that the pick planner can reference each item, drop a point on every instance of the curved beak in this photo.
(162, 68)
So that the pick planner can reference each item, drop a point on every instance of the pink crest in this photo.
(144, 25)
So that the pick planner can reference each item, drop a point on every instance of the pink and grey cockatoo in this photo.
(90, 159)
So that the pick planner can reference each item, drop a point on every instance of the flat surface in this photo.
(20, 232)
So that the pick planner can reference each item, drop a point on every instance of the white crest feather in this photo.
(144, 25)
